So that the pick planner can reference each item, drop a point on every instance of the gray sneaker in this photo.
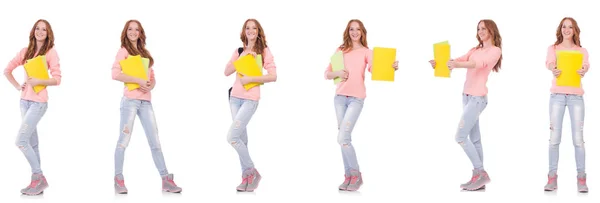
(344, 185)
(481, 178)
(168, 185)
(552, 182)
(243, 185)
(37, 186)
(581, 183)
(355, 181)
(464, 185)
(253, 180)
(120, 184)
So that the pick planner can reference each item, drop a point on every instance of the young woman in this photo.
(567, 38)
(243, 103)
(137, 101)
(350, 96)
(479, 62)
(34, 105)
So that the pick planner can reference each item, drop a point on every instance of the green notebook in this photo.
(337, 63)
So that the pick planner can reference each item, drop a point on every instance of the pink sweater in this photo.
(355, 61)
(253, 93)
(53, 67)
(485, 60)
(116, 70)
(551, 58)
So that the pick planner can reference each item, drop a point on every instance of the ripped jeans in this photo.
(558, 103)
(242, 111)
(468, 134)
(27, 138)
(347, 111)
(129, 109)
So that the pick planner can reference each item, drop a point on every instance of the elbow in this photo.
(274, 78)
(57, 81)
(115, 76)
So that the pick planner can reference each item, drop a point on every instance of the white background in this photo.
(404, 137)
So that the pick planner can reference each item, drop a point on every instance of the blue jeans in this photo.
(468, 134)
(143, 109)
(347, 111)
(242, 111)
(558, 103)
(27, 138)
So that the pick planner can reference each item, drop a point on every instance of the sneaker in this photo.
(552, 182)
(480, 179)
(120, 184)
(37, 186)
(464, 185)
(243, 185)
(168, 185)
(253, 180)
(355, 180)
(344, 185)
(581, 183)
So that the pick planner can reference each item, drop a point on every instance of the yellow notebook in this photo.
(133, 66)
(248, 66)
(383, 59)
(441, 55)
(37, 68)
(337, 63)
(569, 62)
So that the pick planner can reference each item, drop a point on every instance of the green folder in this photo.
(337, 63)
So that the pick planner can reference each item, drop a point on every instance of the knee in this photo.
(578, 142)
(344, 139)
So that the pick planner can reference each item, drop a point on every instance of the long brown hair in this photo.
(261, 40)
(141, 42)
(32, 47)
(347, 46)
(559, 37)
(496, 39)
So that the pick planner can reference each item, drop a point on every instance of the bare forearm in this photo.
(264, 79)
(49, 82)
(332, 75)
(127, 79)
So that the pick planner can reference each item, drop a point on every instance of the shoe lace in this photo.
(551, 179)
(581, 181)
(34, 183)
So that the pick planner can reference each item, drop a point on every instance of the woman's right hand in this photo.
(22, 87)
(343, 74)
(249, 53)
(556, 72)
(432, 62)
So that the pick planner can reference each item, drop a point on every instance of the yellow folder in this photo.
(37, 68)
(337, 63)
(441, 55)
(383, 59)
(569, 62)
(248, 66)
(133, 66)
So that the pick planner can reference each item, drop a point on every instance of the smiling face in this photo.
(483, 32)
(133, 32)
(251, 31)
(355, 32)
(567, 29)
(41, 31)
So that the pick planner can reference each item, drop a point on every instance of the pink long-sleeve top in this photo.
(253, 93)
(116, 70)
(53, 66)
(355, 62)
(477, 77)
(551, 58)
